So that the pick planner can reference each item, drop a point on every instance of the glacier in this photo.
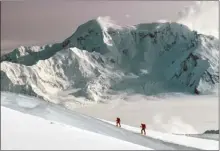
(101, 59)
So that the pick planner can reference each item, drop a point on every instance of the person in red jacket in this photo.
(143, 127)
(118, 122)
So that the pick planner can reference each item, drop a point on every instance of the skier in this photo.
(143, 127)
(118, 122)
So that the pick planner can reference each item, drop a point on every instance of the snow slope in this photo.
(102, 58)
(32, 132)
(174, 113)
(77, 122)
(182, 140)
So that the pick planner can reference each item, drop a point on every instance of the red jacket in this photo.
(118, 120)
(143, 126)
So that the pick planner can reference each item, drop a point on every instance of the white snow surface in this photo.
(182, 140)
(127, 71)
(41, 125)
(22, 131)
(174, 113)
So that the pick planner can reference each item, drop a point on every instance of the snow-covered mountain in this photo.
(102, 58)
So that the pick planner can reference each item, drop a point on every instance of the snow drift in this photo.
(102, 58)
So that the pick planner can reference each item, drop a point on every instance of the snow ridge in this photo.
(102, 58)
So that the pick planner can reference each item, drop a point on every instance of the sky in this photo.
(43, 22)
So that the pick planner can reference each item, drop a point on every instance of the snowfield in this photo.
(22, 131)
(165, 74)
(48, 126)
(173, 113)
(181, 140)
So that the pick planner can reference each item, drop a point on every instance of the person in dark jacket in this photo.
(143, 127)
(118, 122)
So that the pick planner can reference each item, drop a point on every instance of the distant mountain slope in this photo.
(102, 57)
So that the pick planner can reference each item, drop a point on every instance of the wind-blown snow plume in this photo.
(106, 23)
(202, 17)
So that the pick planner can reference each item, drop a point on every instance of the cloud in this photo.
(202, 17)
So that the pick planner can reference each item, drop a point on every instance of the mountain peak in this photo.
(106, 22)
(108, 57)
